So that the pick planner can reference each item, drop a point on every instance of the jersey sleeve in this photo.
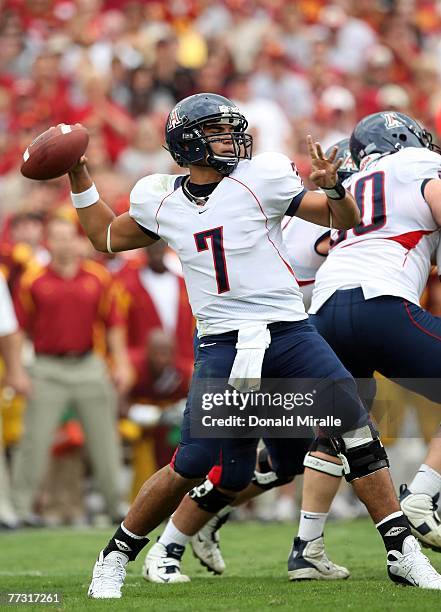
(145, 200)
(417, 165)
(281, 188)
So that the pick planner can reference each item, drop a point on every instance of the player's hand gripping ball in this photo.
(55, 152)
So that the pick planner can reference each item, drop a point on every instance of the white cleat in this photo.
(411, 567)
(108, 576)
(205, 545)
(308, 561)
(424, 521)
(163, 564)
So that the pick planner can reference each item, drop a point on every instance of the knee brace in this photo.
(265, 477)
(361, 453)
(323, 445)
(323, 465)
(209, 498)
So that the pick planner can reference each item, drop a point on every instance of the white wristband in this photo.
(85, 198)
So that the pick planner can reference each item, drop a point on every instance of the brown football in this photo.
(54, 152)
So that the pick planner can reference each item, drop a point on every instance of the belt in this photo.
(67, 354)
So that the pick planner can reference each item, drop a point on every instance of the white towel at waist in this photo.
(251, 345)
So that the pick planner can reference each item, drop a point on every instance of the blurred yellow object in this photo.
(22, 253)
(11, 413)
(391, 406)
(144, 462)
(129, 430)
(144, 459)
(192, 50)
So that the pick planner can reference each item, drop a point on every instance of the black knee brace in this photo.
(265, 477)
(361, 453)
(323, 445)
(209, 498)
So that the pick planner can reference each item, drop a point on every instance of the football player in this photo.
(307, 245)
(224, 222)
(366, 296)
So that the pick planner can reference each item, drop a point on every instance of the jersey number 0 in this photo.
(368, 193)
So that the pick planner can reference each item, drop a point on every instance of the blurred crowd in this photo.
(118, 67)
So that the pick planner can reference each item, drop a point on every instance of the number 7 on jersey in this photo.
(217, 249)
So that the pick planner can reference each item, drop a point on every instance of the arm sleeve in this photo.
(146, 198)
(8, 320)
(281, 188)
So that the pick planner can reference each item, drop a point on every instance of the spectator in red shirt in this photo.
(155, 297)
(62, 308)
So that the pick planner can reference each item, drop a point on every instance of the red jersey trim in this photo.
(159, 208)
(410, 239)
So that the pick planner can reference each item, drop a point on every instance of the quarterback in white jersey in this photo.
(224, 221)
(234, 261)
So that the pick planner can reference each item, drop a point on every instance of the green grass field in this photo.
(255, 579)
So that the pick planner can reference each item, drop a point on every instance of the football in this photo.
(54, 152)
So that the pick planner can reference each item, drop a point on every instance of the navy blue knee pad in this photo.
(193, 460)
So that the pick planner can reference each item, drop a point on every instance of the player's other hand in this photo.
(324, 169)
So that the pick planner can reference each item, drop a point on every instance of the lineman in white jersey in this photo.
(224, 221)
(366, 297)
(307, 245)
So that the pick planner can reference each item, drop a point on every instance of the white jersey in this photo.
(301, 239)
(389, 253)
(234, 261)
(8, 321)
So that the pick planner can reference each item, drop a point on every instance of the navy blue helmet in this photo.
(387, 132)
(348, 166)
(185, 138)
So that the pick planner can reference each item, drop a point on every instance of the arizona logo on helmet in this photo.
(175, 119)
(391, 121)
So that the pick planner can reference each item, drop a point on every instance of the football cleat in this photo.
(163, 564)
(308, 561)
(205, 545)
(421, 512)
(411, 567)
(108, 576)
